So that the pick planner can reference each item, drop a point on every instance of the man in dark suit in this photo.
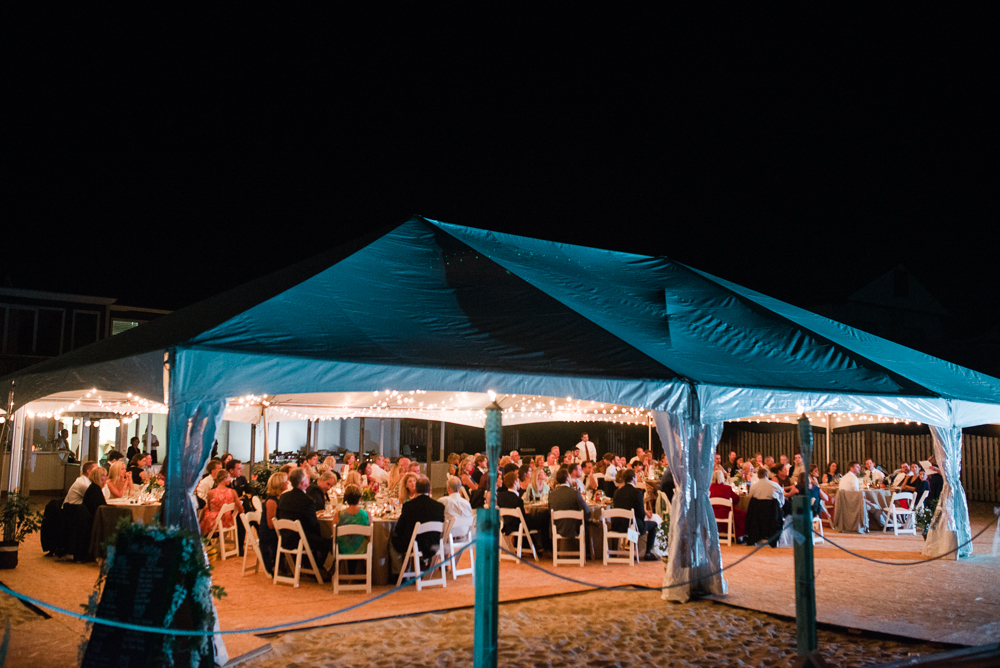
(507, 497)
(628, 496)
(295, 504)
(319, 490)
(421, 508)
(564, 497)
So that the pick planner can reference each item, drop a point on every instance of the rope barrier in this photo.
(185, 632)
(761, 545)
(905, 563)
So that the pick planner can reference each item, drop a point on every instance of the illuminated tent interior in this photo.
(447, 310)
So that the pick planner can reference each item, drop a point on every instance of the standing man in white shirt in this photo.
(586, 451)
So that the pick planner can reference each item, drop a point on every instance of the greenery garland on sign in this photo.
(194, 583)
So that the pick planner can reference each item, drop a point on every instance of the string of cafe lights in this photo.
(131, 409)
(395, 403)
(853, 418)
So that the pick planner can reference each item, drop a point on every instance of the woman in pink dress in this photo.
(720, 489)
(218, 496)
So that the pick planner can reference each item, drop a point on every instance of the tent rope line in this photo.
(277, 627)
(906, 563)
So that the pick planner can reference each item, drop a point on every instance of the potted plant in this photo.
(662, 539)
(18, 521)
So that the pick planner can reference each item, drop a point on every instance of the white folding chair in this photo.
(462, 534)
(366, 557)
(515, 540)
(729, 521)
(413, 556)
(901, 520)
(569, 556)
(300, 549)
(818, 528)
(662, 504)
(251, 543)
(219, 532)
(255, 500)
(630, 554)
(920, 504)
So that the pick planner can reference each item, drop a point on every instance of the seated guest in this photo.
(831, 477)
(920, 486)
(329, 465)
(748, 473)
(207, 481)
(799, 468)
(352, 514)
(80, 485)
(851, 482)
(551, 464)
(589, 477)
(401, 468)
(667, 483)
(114, 456)
(734, 465)
(422, 508)
(319, 491)
(720, 490)
(538, 487)
(287, 469)
(780, 476)
(822, 497)
(873, 474)
(628, 496)
(119, 481)
(378, 472)
(295, 504)
(220, 495)
(507, 497)
(350, 464)
(479, 470)
(408, 487)
(354, 478)
(575, 476)
(565, 497)
(138, 468)
(267, 537)
(93, 498)
(765, 488)
(456, 507)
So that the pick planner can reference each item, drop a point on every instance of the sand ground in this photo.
(547, 621)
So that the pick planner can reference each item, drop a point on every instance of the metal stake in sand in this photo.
(805, 589)
(488, 553)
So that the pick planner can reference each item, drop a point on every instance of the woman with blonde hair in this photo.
(408, 487)
(453, 461)
(354, 478)
(119, 480)
(267, 537)
(538, 487)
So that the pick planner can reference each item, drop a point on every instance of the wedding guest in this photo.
(589, 477)
(765, 488)
(208, 480)
(311, 465)
(422, 508)
(353, 514)
(119, 481)
(565, 497)
(628, 496)
(720, 490)
(267, 537)
(220, 495)
(80, 485)
(319, 491)
(138, 467)
(295, 504)
(538, 487)
(348, 465)
(408, 488)
(465, 467)
(831, 477)
(456, 506)
(93, 498)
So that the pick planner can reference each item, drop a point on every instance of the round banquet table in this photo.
(381, 529)
(107, 517)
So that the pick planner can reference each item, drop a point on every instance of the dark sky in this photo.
(161, 158)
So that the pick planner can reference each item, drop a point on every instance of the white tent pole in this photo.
(16, 451)
(381, 438)
(649, 423)
(829, 438)
(149, 433)
(441, 457)
(263, 420)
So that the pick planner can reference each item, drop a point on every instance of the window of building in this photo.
(49, 337)
(20, 333)
(85, 324)
(119, 325)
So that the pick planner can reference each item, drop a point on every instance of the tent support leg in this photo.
(805, 586)
(487, 554)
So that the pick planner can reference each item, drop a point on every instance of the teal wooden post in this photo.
(488, 554)
(805, 586)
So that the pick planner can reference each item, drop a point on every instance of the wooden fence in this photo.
(980, 454)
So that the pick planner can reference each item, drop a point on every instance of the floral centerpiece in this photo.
(368, 495)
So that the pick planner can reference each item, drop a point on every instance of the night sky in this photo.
(162, 158)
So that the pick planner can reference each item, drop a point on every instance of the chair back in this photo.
(252, 516)
(461, 527)
(721, 502)
(227, 508)
(255, 501)
(662, 504)
(567, 514)
(901, 496)
(354, 530)
(428, 527)
(289, 525)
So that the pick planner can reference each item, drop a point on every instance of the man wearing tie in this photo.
(587, 451)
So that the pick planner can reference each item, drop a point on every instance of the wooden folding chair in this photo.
(522, 534)
(729, 521)
(630, 554)
(251, 543)
(569, 556)
(901, 520)
(366, 557)
(220, 532)
(413, 556)
(300, 549)
(462, 534)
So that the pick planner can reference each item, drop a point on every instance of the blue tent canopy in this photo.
(433, 306)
